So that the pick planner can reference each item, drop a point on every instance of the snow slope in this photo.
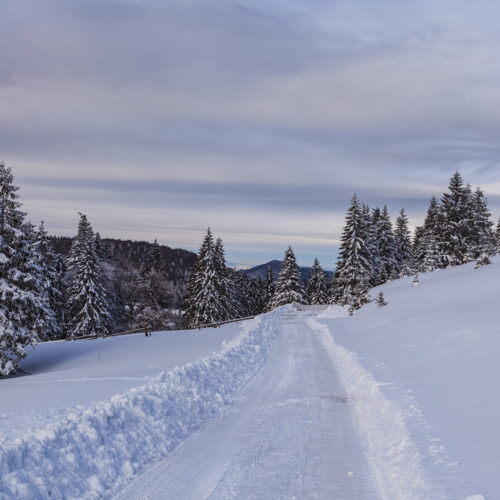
(428, 362)
(66, 374)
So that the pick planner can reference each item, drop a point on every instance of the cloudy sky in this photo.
(259, 118)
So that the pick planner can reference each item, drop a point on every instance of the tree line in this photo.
(45, 296)
(457, 229)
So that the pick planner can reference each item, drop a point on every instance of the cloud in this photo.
(258, 117)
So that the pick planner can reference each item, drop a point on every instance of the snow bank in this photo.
(399, 467)
(91, 452)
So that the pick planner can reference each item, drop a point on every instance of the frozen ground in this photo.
(395, 403)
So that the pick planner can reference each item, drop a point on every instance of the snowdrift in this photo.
(89, 453)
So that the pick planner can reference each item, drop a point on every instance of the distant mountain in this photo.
(275, 265)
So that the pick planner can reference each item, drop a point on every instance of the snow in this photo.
(289, 434)
(426, 367)
(90, 451)
(66, 374)
(395, 402)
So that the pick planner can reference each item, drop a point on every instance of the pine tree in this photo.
(208, 298)
(230, 286)
(454, 230)
(387, 249)
(259, 301)
(370, 228)
(483, 240)
(404, 250)
(289, 289)
(428, 247)
(109, 279)
(380, 300)
(88, 307)
(317, 286)
(497, 237)
(155, 294)
(50, 273)
(269, 288)
(20, 304)
(353, 272)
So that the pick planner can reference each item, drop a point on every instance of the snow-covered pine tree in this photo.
(353, 272)
(387, 250)
(19, 302)
(259, 296)
(317, 286)
(88, 308)
(404, 250)
(155, 293)
(380, 300)
(242, 294)
(497, 237)
(110, 277)
(370, 222)
(428, 248)
(233, 287)
(455, 228)
(50, 271)
(289, 289)
(371, 241)
(207, 299)
(270, 287)
(483, 238)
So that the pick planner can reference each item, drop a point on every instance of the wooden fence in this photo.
(147, 330)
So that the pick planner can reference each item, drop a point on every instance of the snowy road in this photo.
(289, 435)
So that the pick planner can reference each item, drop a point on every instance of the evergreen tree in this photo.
(497, 237)
(456, 223)
(370, 229)
(20, 304)
(155, 294)
(289, 288)
(428, 247)
(269, 288)
(380, 300)
(483, 240)
(259, 296)
(231, 286)
(109, 280)
(88, 309)
(242, 297)
(387, 249)
(208, 297)
(404, 250)
(317, 286)
(353, 272)
(50, 273)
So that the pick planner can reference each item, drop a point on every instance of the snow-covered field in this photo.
(399, 402)
(431, 357)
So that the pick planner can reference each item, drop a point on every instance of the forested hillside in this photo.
(177, 262)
